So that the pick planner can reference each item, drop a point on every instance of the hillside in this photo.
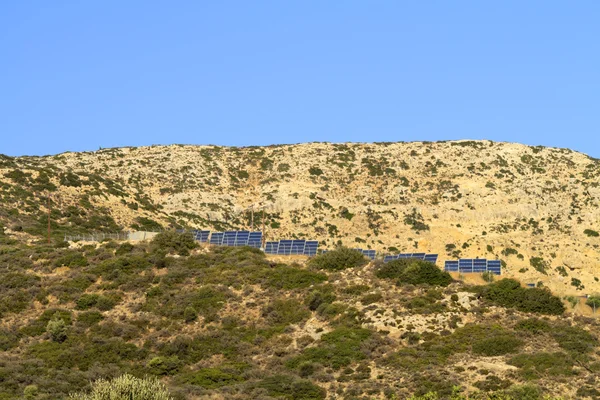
(535, 208)
(228, 323)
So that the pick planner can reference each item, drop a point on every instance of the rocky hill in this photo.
(535, 208)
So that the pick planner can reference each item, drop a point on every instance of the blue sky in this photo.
(82, 75)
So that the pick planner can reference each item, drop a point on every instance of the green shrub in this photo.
(509, 293)
(339, 259)
(591, 233)
(190, 314)
(124, 248)
(164, 365)
(538, 365)
(292, 277)
(415, 272)
(336, 349)
(125, 387)
(103, 303)
(573, 339)
(593, 301)
(57, 329)
(292, 388)
(497, 345)
(212, 378)
(89, 318)
(39, 326)
(533, 325)
(71, 259)
(173, 242)
(285, 312)
(8, 339)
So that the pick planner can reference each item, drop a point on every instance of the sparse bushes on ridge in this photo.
(339, 259)
(415, 272)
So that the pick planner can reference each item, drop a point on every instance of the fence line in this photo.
(98, 237)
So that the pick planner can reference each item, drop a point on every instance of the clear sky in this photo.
(79, 75)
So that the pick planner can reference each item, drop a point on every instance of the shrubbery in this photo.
(509, 293)
(415, 272)
(339, 259)
(173, 242)
(126, 387)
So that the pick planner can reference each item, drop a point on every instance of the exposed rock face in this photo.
(529, 206)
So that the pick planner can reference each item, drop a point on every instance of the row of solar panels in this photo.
(432, 258)
(292, 247)
(474, 265)
(367, 253)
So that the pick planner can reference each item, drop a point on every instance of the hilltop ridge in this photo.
(535, 208)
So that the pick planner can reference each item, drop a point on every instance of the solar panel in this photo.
(479, 265)
(216, 238)
(418, 256)
(494, 266)
(369, 253)
(271, 247)
(432, 258)
(310, 249)
(465, 265)
(202, 236)
(404, 255)
(241, 238)
(297, 247)
(255, 239)
(389, 258)
(451, 266)
(229, 238)
(285, 247)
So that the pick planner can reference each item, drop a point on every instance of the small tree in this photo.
(125, 387)
(57, 329)
(594, 301)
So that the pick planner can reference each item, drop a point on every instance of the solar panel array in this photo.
(236, 238)
(417, 256)
(474, 265)
(201, 236)
(292, 247)
(367, 253)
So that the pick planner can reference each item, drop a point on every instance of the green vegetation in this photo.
(339, 259)
(591, 233)
(416, 272)
(509, 293)
(126, 387)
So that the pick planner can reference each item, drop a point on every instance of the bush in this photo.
(286, 312)
(164, 365)
(190, 314)
(126, 387)
(57, 329)
(292, 388)
(509, 293)
(497, 346)
(173, 242)
(535, 366)
(211, 378)
(593, 301)
(336, 349)
(339, 259)
(103, 303)
(292, 277)
(415, 272)
(591, 233)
